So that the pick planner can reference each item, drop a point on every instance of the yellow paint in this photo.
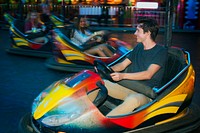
(169, 100)
(56, 22)
(180, 115)
(63, 61)
(73, 55)
(183, 91)
(164, 110)
(187, 85)
(52, 99)
(20, 40)
(160, 108)
(75, 58)
(22, 44)
(63, 42)
(9, 18)
(70, 52)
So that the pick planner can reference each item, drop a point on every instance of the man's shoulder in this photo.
(162, 50)
(161, 47)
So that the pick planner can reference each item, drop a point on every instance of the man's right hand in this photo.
(117, 76)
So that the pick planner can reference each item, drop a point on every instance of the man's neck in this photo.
(149, 44)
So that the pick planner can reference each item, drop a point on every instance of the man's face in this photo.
(139, 33)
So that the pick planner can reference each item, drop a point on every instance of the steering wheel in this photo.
(92, 41)
(103, 70)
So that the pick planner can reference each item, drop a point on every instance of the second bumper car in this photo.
(69, 56)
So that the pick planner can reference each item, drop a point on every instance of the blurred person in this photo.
(82, 34)
(46, 11)
(45, 15)
(35, 28)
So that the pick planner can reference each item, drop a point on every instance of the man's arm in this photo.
(121, 66)
(144, 75)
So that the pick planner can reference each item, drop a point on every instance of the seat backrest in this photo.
(66, 31)
(175, 63)
(65, 35)
(19, 24)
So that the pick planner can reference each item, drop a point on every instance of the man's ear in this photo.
(149, 33)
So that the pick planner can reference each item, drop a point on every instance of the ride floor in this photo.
(22, 78)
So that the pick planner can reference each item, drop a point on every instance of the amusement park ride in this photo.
(65, 107)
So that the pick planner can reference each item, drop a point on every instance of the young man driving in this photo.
(142, 70)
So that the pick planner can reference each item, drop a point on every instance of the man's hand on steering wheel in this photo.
(117, 76)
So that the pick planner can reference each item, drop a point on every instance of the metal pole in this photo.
(63, 10)
(21, 10)
(168, 23)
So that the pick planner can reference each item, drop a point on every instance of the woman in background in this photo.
(82, 34)
(35, 28)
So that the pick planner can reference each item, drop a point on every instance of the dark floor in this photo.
(22, 78)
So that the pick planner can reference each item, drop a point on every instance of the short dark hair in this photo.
(149, 24)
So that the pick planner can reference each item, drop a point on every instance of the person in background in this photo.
(45, 15)
(82, 34)
(45, 12)
(35, 28)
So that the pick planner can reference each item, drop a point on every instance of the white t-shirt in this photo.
(80, 38)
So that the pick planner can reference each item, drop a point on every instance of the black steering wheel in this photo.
(103, 70)
(93, 39)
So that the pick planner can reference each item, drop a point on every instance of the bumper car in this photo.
(65, 105)
(59, 21)
(22, 44)
(69, 56)
(9, 18)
